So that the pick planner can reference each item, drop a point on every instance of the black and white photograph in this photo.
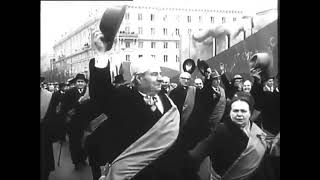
(160, 90)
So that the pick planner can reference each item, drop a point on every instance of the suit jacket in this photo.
(71, 98)
(176, 164)
(82, 113)
(230, 90)
(57, 122)
(269, 104)
(46, 150)
(224, 146)
(178, 96)
(129, 117)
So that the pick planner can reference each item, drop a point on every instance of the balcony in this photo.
(128, 35)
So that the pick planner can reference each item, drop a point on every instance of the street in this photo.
(66, 169)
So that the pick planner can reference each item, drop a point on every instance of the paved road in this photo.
(66, 169)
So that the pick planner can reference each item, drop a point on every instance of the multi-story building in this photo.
(46, 62)
(159, 32)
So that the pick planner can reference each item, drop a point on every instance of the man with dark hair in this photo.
(76, 119)
(219, 110)
(233, 86)
(268, 102)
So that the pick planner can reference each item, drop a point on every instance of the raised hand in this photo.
(101, 60)
(255, 73)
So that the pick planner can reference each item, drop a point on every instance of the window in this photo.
(189, 31)
(153, 44)
(200, 19)
(165, 45)
(165, 32)
(212, 19)
(139, 17)
(127, 44)
(152, 31)
(140, 30)
(140, 45)
(177, 45)
(140, 55)
(177, 58)
(234, 19)
(127, 29)
(152, 17)
(189, 19)
(177, 31)
(223, 19)
(127, 57)
(165, 58)
(127, 16)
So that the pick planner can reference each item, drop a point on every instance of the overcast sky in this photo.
(58, 17)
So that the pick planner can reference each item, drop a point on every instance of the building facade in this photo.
(157, 32)
(46, 62)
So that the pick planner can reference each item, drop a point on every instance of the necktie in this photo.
(151, 101)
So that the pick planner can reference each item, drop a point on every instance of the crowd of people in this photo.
(212, 128)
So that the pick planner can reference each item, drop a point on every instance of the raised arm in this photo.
(225, 81)
(100, 86)
(257, 92)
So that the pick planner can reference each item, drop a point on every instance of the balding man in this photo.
(165, 85)
(142, 124)
(195, 106)
(178, 95)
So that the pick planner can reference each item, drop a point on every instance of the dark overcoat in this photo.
(129, 117)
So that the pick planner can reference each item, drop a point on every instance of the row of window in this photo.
(165, 57)
(153, 45)
(165, 17)
(153, 31)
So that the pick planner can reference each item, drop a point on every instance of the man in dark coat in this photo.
(46, 151)
(59, 125)
(194, 103)
(76, 114)
(175, 164)
(268, 102)
(233, 86)
(134, 115)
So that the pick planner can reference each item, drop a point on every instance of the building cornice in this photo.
(188, 9)
(85, 25)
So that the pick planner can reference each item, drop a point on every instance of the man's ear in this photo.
(138, 78)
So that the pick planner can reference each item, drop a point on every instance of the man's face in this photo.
(240, 113)
(238, 83)
(80, 83)
(270, 83)
(215, 82)
(247, 86)
(51, 87)
(184, 81)
(198, 84)
(165, 82)
(150, 82)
